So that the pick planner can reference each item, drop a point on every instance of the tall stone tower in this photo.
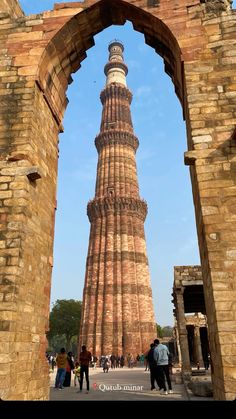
(118, 314)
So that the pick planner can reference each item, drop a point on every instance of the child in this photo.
(76, 372)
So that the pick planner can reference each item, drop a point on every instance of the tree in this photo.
(64, 321)
(55, 343)
(159, 331)
(167, 331)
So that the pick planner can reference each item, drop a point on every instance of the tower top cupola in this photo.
(116, 70)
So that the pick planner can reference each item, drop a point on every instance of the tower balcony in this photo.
(101, 207)
(116, 90)
(115, 64)
(113, 137)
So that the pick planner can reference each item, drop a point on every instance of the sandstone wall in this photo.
(12, 7)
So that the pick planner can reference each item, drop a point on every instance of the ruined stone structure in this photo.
(118, 314)
(191, 330)
(39, 53)
(198, 346)
(187, 298)
(197, 339)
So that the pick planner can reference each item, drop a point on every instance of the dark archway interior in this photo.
(194, 301)
(190, 332)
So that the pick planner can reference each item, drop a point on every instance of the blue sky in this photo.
(164, 180)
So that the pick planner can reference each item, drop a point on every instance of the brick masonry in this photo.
(38, 55)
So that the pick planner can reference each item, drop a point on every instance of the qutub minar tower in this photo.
(118, 315)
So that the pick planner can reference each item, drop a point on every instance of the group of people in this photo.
(118, 361)
(111, 361)
(66, 365)
(51, 360)
(141, 360)
(159, 360)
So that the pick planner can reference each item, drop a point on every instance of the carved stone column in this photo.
(197, 346)
(183, 336)
(178, 344)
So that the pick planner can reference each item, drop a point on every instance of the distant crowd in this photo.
(107, 361)
(157, 360)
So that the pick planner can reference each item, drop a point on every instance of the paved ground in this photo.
(119, 384)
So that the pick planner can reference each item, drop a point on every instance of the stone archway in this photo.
(39, 53)
(67, 48)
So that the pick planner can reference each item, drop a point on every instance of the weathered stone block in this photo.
(201, 388)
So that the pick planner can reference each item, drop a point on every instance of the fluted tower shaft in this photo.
(118, 315)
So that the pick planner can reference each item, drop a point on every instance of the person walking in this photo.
(113, 361)
(146, 361)
(161, 356)
(53, 362)
(152, 366)
(69, 367)
(142, 359)
(61, 361)
(85, 358)
(106, 365)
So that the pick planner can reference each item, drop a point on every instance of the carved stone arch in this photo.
(67, 47)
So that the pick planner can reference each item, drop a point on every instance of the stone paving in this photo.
(120, 384)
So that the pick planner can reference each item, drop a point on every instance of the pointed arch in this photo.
(67, 47)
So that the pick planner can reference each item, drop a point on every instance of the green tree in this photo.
(64, 322)
(159, 331)
(167, 331)
(55, 343)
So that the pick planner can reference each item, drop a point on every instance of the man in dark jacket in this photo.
(161, 356)
(84, 359)
(152, 366)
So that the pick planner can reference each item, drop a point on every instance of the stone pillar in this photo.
(178, 345)
(197, 346)
(183, 335)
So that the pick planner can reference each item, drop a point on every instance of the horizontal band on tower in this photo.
(115, 256)
(114, 289)
(101, 207)
(117, 91)
(115, 64)
(128, 327)
(116, 137)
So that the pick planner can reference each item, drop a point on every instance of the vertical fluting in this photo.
(118, 315)
(138, 314)
(126, 296)
(86, 305)
(100, 288)
(118, 319)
